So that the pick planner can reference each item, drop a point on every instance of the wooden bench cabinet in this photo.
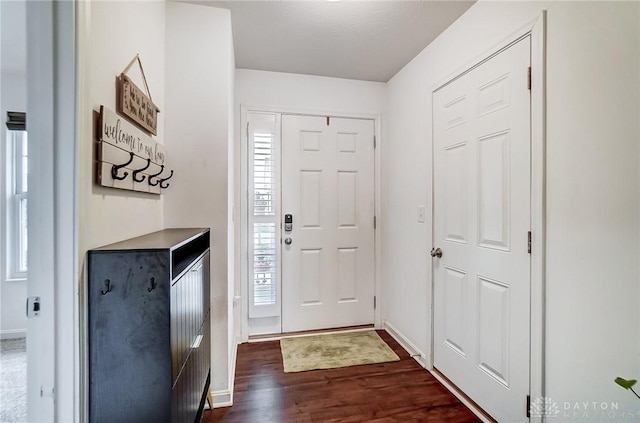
(149, 328)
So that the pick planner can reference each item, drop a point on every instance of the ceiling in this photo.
(366, 40)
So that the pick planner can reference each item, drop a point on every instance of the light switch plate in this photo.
(421, 213)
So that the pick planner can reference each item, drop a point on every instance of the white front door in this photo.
(481, 223)
(328, 189)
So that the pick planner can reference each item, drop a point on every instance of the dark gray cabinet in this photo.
(149, 328)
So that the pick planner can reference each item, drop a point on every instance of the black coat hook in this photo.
(154, 175)
(136, 172)
(115, 168)
(152, 284)
(107, 283)
(162, 185)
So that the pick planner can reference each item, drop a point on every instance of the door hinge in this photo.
(375, 222)
(374, 142)
(328, 120)
(529, 242)
(528, 405)
(375, 303)
(48, 393)
(529, 78)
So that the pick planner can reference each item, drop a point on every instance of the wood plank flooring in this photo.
(385, 392)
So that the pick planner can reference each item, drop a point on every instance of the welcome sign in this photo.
(133, 152)
(120, 133)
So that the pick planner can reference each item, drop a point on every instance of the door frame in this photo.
(53, 391)
(536, 29)
(242, 222)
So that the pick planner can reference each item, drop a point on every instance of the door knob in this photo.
(288, 241)
(436, 252)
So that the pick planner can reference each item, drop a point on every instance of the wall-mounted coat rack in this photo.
(128, 158)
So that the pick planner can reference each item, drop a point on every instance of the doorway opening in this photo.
(13, 212)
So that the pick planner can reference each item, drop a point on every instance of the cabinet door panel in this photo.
(129, 336)
(186, 318)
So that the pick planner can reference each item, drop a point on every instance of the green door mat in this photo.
(334, 350)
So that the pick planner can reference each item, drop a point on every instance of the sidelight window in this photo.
(264, 237)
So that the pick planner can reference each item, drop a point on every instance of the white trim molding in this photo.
(463, 398)
(538, 206)
(224, 397)
(13, 333)
(405, 343)
(54, 342)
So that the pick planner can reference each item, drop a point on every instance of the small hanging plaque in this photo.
(133, 103)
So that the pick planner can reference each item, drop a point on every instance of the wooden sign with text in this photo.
(133, 103)
(139, 160)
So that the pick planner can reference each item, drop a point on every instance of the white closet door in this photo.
(481, 222)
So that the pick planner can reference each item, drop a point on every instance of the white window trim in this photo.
(14, 170)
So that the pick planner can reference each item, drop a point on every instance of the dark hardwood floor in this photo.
(385, 392)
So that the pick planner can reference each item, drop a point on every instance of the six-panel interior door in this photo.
(481, 222)
(328, 188)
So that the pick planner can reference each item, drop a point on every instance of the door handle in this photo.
(436, 252)
(288, 241)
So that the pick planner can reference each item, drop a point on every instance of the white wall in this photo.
(300, 93)
(307, 93)
(109, 215)
(13, 97)
(109, 35)
(199, 82)
(592, 319)
(195, 64)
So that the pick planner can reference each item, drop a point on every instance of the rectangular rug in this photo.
(332, 351)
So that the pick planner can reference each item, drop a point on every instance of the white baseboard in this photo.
(13, 333)
(224, 398)
(409, 346)
(463, 398)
